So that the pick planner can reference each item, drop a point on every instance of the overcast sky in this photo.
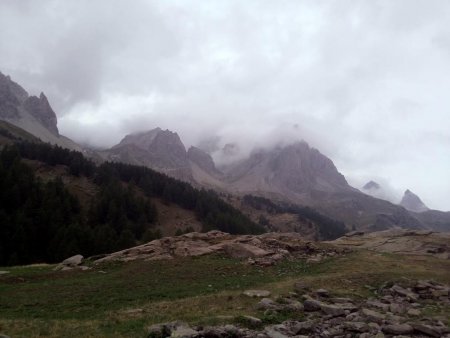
(365, 82)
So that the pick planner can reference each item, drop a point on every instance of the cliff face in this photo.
(16, 105)
(41, 110)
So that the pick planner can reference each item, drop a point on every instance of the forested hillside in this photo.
(43, 222)
(327, 228)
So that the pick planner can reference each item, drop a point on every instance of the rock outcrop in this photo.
(412, 202)
(41, 110)
(263, 250)
(416, 242)
(158, 149)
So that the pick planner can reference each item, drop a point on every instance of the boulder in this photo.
(73, 261)
(304, 327)
(404, 292)
(427, 330)
(312, 305)
(378, 305)
(357, 326)
(373, 316)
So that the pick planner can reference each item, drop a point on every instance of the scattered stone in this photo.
(396, 308)
(373, 316)
(378, 305)
(332, 310)
(357, 326)
(398, 329)
(404, 292)
(256, 293)
(312, 305)
(292, 305)
(414, 312)
(268, 304)
(304, 327)
(427, 329)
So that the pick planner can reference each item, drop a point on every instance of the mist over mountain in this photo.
(249, 73)
(285, 171)
(31, 113)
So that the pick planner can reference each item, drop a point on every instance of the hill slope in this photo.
(43, 221)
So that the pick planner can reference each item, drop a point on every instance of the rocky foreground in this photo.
(396, 311)
(264, 250)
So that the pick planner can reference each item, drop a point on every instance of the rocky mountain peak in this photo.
(203, 160)
(158, 149)
(292, 169)
(371, 185)
(412, 202)
(143, 140)
(40, 109)
(307, 168)
(11, 97)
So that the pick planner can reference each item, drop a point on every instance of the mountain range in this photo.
(295, 173)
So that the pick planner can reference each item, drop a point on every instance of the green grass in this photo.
(40, 292)
(36, 301)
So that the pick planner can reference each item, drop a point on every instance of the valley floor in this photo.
(119, 299)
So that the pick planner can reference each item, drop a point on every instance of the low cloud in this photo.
(366, 83)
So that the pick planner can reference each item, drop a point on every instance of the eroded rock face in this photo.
(41, 110)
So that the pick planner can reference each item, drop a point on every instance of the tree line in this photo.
(328, 228)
